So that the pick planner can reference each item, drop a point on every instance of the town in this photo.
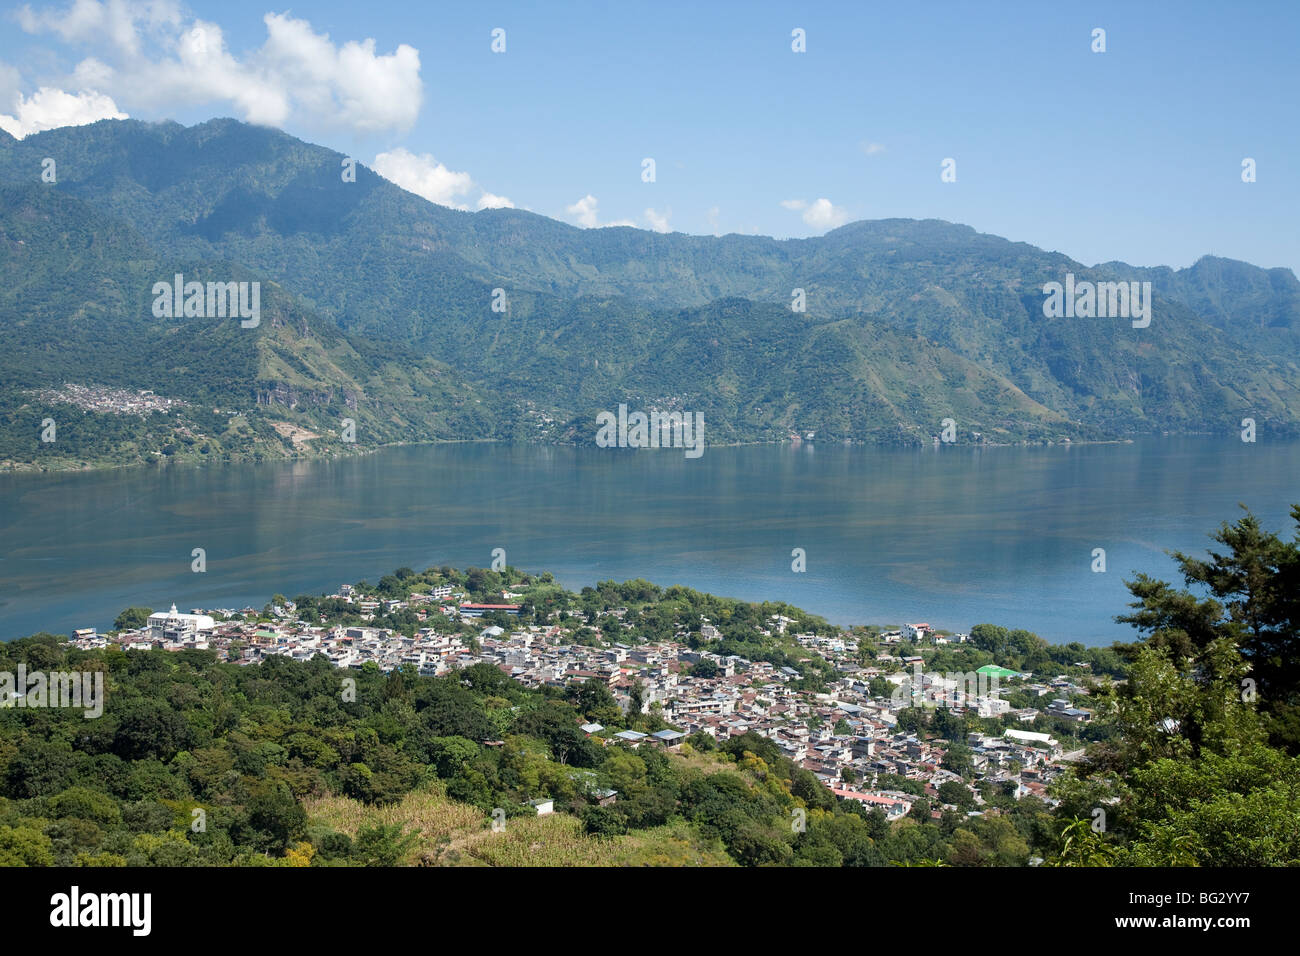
(859, 733)
(103, 399)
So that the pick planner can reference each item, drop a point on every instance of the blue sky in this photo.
(1131, 154)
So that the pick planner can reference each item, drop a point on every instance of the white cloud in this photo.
(712, 218)
(49, 108)
(150, 55)
(873, 149)
(586, 211)
(820, 213)
(425, 176)
(115, 21)
(659, 223)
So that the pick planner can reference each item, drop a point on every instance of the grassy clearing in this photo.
(428, 811)
(558, 840)
(456, 834)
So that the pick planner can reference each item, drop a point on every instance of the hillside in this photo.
(75, 295)
(179, 756)
(380, 308)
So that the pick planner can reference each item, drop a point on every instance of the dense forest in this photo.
(423, 323)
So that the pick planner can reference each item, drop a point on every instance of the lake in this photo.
(950, 535)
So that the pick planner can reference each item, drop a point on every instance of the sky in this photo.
(1135, 153)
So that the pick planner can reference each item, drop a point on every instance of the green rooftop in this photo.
(992, 670)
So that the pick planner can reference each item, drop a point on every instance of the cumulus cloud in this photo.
(117, 22)
(584, 210)
(425, 176)
(150, 54)
(820, 213)
(49, 108)
(587, 212)
(658, 222)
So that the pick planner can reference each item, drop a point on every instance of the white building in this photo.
(174, 627)
(993, 706)
(1031, 737)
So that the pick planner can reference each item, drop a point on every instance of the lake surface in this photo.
(949, 535)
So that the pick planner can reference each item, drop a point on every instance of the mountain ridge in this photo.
(907, 322)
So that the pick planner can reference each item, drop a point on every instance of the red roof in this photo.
(867, 797)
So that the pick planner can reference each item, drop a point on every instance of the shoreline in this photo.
(31, 468)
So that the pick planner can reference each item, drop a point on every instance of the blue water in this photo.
(949, 535)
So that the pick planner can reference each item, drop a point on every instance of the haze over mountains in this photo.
(377, 305)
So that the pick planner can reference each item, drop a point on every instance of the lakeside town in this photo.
(858, 733)
(108, 400)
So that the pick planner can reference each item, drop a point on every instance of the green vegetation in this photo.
(377, 307)
(1203, 770)
(1192, 759)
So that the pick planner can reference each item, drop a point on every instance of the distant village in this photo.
(103, 399)
(848, 736)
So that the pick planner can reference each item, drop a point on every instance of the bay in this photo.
(950, 535)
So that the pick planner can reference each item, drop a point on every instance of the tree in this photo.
(24, 846)
(705, 668)
(449, 754)
(276, 819)
(382, 844)
(952, 792)
(958, 759)
(1251, 599)
(132, 618)
(86, 804)
(1191, 778)
(1082, 846)
(603, 821)
(593, 700)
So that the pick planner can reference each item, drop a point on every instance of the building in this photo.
(1001, 673)
(478, 610)
(993, 706)
(1032, 738)
(669, 738)
(893, 807)
(1063, 708)
(174, 627)
(914, 632)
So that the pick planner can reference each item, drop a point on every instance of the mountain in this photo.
(380, 308)
(76, 305)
